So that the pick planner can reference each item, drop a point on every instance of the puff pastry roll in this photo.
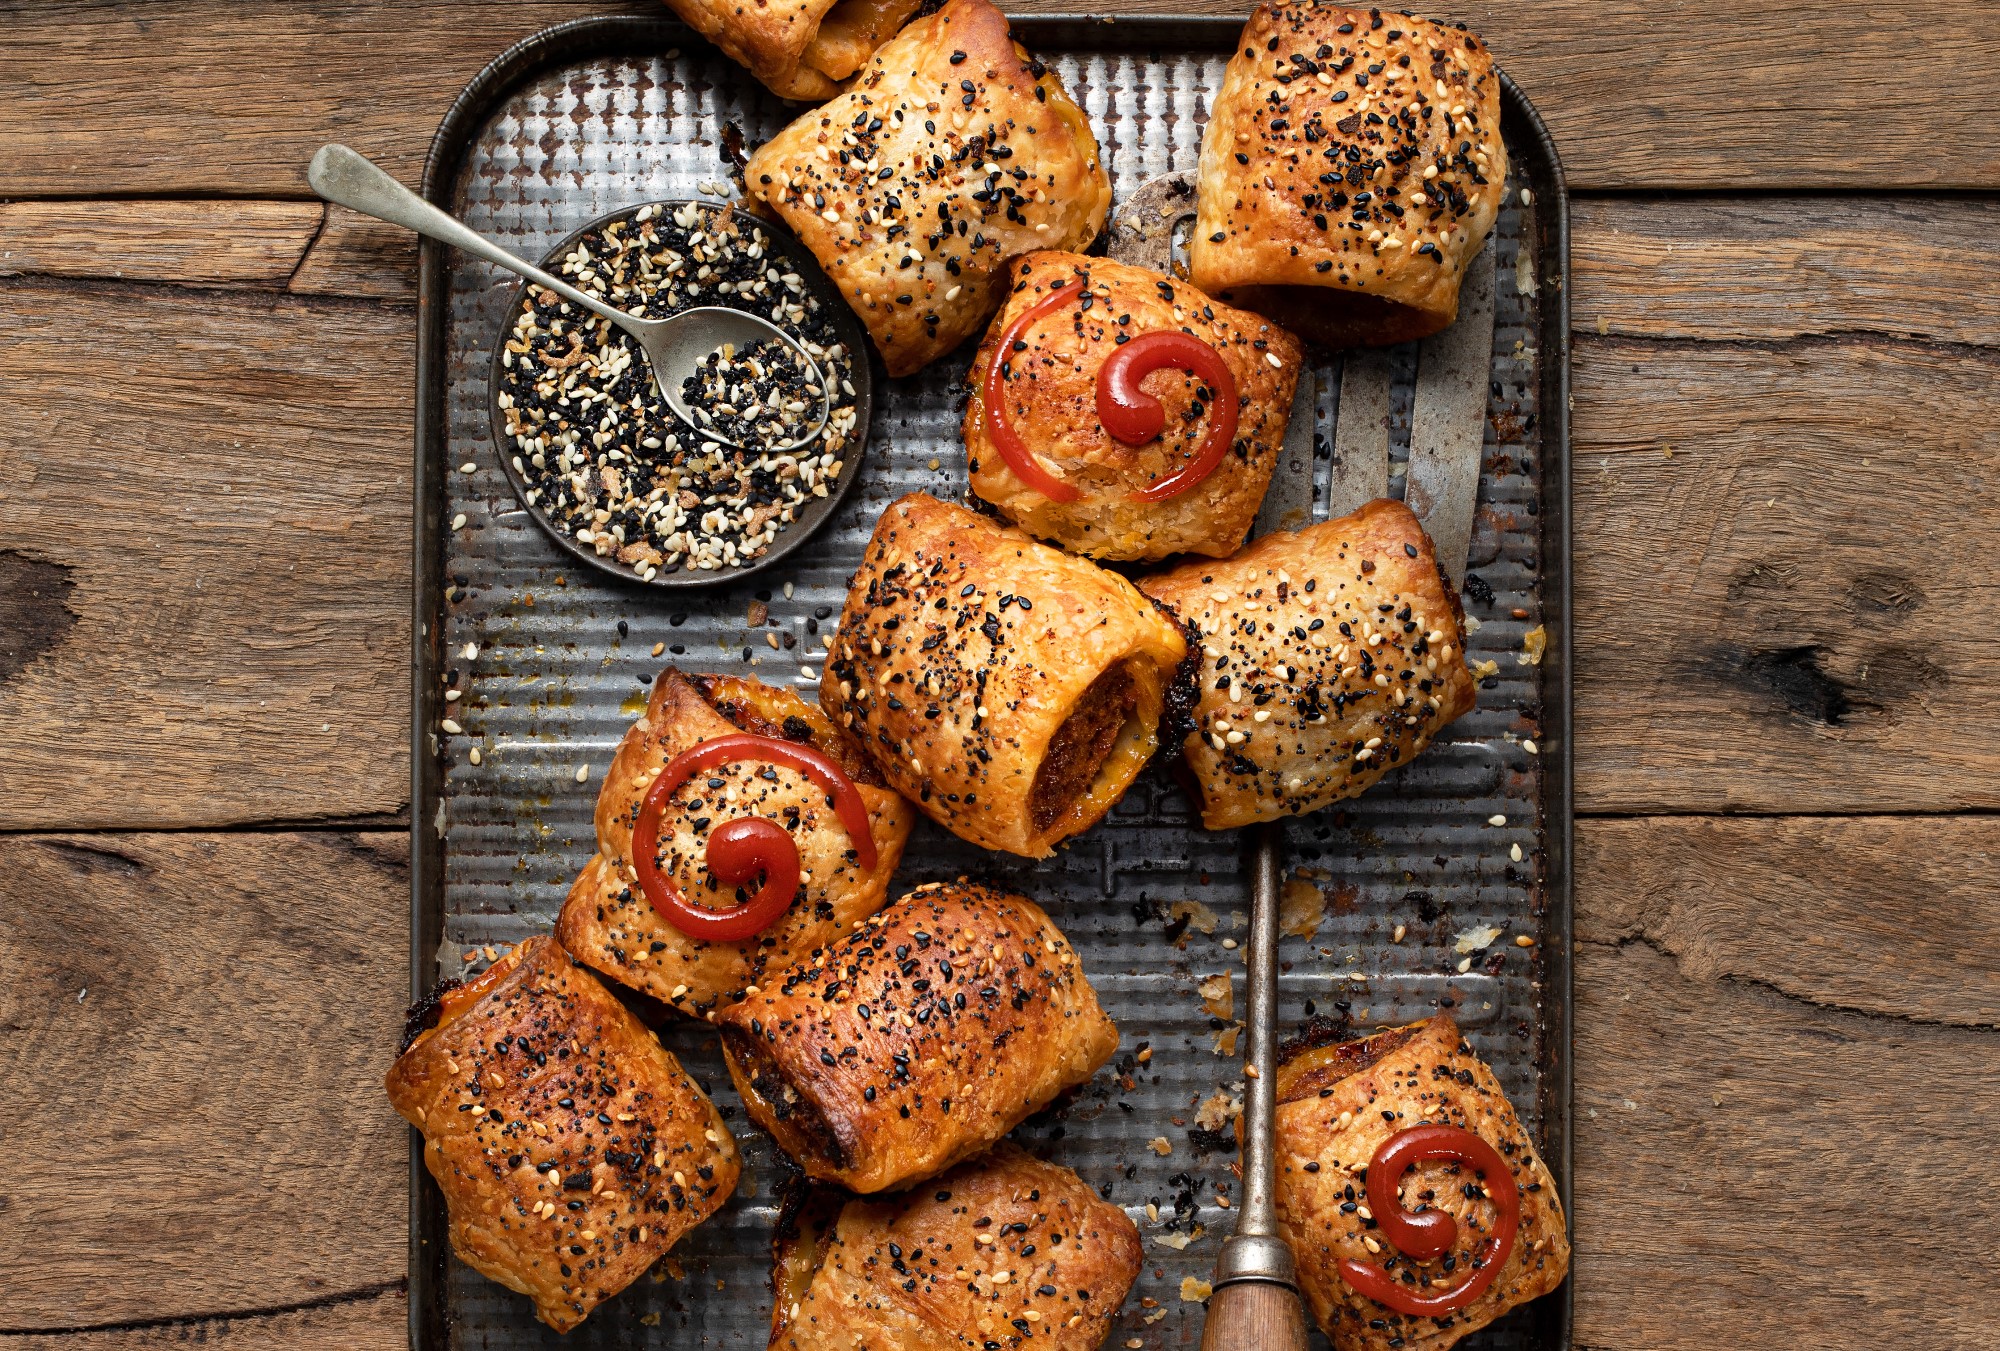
(1012, 691)
(800, 49)
(571, 1147)
(1329, 656)
(952, 152)
(609, 923)
(911, 1272)
(919, 1039)
(1341, 1108)
(1351, 170)
(1050, 453)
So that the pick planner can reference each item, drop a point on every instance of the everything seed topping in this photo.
(608, 462)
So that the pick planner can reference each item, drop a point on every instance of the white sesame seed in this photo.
(1515, 853)
(582, 773)
(450, 725)
(1497, 819)
(471, 651)
(473, 755)
(458, 521)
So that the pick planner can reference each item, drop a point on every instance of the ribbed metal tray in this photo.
(600, 113)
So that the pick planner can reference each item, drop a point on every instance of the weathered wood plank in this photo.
(195, 1032)
(204, 557)
(376, 1321)
(1783, 552)
(1748, 1165)
(232, 96)
(1890, 916)
(1740, 268)
(358, 256)
(190, 243)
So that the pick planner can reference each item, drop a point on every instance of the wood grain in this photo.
(195, 1032)
(1748, 1165)
(1735, 268)
(1783, 562)
(308, 248)
(204, 557)
(1887, 916)
(231, 97)
(377, 1321)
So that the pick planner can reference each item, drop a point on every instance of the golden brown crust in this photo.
(964, 648)
(1052, 406)
(950, 108)
(1336, 1107)
(917, 1040)
(608, 923)
(800, 49)
(1313, 204)
(911, 1272)
(571, 1147)
(1345, 634)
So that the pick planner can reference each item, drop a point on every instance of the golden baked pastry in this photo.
(609, 924)
(910, 1272)
(1012, 691)
(1351, 170)
(1339, 1103)
(571, 1148)
(800, 49)
(1094, 502)
(939, 1025)
(952, 152)
(1329, 656)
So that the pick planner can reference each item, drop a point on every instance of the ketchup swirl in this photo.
(994, 394)
(741, 849)
(1128, 413)
(1431, 1233)
(1136, 417)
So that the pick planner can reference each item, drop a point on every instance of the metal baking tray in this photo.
(598, 113)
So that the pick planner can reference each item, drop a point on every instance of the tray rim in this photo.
(581, 38)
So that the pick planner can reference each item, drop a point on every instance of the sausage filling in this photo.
(803, 1128)
(1081, 745)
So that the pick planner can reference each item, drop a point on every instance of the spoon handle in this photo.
(349, 178)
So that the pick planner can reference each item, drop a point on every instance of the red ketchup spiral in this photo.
(741, 849)
(1431, 1233)
(994, 395)
(1136, 417)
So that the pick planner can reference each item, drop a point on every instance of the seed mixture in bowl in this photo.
(598, 451)
(757, 395)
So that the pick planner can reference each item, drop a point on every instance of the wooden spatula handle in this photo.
(1254, 1316)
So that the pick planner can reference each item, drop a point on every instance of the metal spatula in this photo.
(1255, 1305)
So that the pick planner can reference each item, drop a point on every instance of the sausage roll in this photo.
(1370, 1131)
(1003, 1252)
(1329, 655)
(571, 1147)
(919, 1039)
(1093, 355)
(1011, 690)
(609, 923)
(1351, 170)
(800, 49)
(952, 152)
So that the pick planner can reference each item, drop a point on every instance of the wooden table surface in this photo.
(1787, 446)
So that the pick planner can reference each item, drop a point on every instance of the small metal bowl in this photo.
(812, 515)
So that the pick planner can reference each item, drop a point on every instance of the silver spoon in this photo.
(674, 346)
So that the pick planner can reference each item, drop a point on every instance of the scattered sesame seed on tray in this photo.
(606, 462)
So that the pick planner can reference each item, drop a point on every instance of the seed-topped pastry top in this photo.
(952, 152)
(1351, 169)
